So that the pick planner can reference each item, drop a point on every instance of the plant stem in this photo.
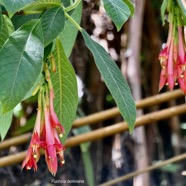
(24, 12)
(71, 7)
(73, 22)
(31, 12)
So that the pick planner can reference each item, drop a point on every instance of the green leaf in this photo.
(114, 80)
(33, 88)
(29, 125)
(40, 5)
(163, 10)
(183, 9)
(47, 50)
(171, 168)
(53, 21)
(65, 88)
(118, 11)
(65, 2)
(5, 122)
(1, 19)
(86, 157)
(71, 30)
(19, 20)
(21, 60)
(7, 30)
(82, 130)
(130, 5)
(88, 168)
(13, 6)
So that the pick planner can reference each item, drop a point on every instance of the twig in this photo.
(149, 168)
(107, 131)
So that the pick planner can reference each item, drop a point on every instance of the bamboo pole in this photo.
(122, 126)
(149, 168)
(111, 113)
(107, 131)
(12, 159)
(97, 117)
(14, 141)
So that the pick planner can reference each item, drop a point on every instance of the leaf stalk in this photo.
(73, 22)
(71, 7)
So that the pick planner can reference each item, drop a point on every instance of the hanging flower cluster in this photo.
(45, 139)
(173, 55)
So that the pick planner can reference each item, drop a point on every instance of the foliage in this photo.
(50, 36)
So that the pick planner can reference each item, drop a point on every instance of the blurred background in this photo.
(135, 49)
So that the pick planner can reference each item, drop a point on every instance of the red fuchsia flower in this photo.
(53, 117)
(164, 57)
(33, 153)
(50, 151)
(30, 161)
(170, 66)
(173, 61)
(181, 66)
(59, 148)
(45, 139)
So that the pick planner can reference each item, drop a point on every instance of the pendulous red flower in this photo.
(173, 60)
(45, 138)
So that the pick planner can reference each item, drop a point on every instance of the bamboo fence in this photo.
(106, 131)
(111, 113)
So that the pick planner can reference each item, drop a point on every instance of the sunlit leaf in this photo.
(118, 11)
(130, 5)
(183, 9)
(65, 88)
(114, 80)
(1, 19)
(53, 21)
(13, 6)
(21, 60)
(6, 31)
(5, 122)
(71, 30)
(163, 10)
(40, 5)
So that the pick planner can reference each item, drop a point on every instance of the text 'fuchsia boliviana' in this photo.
(47, 131)
(173, 55)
